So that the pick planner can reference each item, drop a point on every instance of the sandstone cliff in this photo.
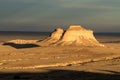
(55, 37)
(74, 35)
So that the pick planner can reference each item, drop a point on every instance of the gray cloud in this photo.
(49, 13)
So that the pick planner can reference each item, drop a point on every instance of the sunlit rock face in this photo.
(79, 36)
(20, 41)
(55, 37)
(75, 35)
(57, 34)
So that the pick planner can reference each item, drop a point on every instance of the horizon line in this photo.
(50, 31)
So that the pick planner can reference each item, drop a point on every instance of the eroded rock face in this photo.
(57, 34)
(55, 37)
(79, 36)
(20, 41)
(74, 35)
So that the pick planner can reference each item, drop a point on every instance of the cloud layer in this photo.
(100, 15)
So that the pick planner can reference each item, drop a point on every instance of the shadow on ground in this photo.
(111, 42)
(19, 46)
(60, 75)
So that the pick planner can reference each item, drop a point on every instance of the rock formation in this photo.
(20, 41)
(74, 35)
(77, 35)
(55, 37)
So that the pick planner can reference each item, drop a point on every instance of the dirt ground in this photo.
(61, 63)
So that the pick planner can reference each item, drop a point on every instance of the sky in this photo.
(46, 15)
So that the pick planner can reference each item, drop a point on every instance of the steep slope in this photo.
(79, 36)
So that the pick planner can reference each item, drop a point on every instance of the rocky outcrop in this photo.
(74, 35)
(79, 36)
(55, 37)
(20, 41)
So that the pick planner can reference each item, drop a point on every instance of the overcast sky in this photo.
(45, 15)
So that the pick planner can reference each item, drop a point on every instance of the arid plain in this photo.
(69, 62)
